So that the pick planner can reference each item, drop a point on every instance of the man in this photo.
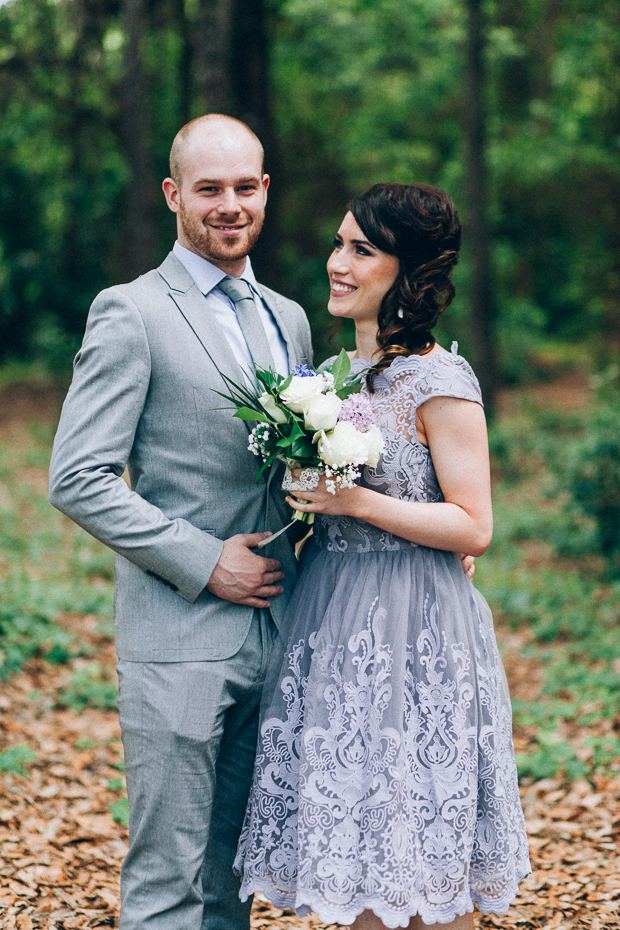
(196, 609)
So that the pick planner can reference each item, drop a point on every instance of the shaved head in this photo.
(218, 189)
(214, 129)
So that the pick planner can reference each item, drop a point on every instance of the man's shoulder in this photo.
(158, 281)
(280, 301)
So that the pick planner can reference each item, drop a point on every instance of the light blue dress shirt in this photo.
(207, 276)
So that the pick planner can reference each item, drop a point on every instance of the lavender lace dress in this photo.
(385, 776)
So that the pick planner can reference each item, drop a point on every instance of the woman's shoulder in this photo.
(437, 374)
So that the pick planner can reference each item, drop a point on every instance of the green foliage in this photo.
(89, 687)
(361, 92)
(553, 755)
(569, 606)
(14, 760)
(48, 566)
(592, 482)
(116, 784)
(120, 811)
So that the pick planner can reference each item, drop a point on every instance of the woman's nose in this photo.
(336, 263)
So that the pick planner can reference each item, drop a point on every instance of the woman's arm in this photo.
(457, 438)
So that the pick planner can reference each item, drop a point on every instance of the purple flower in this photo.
(302, 371)
(356, 409)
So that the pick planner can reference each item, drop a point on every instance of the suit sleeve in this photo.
(93, 443)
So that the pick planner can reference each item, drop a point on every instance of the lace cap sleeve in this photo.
(442, 374)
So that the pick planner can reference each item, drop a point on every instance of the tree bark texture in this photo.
(212, 59)
(251, 85)
(476, 191)
(140, 198)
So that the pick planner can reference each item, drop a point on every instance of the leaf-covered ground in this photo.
(60, 849)
(61, 780)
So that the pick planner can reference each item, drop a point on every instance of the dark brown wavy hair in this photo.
(419, 225)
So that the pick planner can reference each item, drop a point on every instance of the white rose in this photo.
(344, 445)
(321, 412)
(269, 406)
(374, 442)
(299, 392)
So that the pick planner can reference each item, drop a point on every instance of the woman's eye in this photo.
(337, 244)
(362, 251)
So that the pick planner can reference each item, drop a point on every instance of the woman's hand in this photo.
(343, 501)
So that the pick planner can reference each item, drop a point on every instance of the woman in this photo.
(385, 789)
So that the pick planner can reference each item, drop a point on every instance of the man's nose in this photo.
(228, 202)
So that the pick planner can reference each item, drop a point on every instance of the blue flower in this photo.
(302, 371)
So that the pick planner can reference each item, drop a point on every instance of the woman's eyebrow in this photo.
(363, 242)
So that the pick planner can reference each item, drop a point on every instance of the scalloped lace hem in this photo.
(304, 902)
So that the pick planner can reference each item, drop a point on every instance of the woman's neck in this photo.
(366, 345)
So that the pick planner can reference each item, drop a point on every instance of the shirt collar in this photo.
(207, 275)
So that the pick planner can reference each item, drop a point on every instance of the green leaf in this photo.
(353, 387)
(266, 464)
(340, 369)
(246, 413)
(285, 384)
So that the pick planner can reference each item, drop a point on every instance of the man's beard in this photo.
(207, 243)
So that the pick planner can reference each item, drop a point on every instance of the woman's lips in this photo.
(341, 289)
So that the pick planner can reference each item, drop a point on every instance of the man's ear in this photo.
(172, 194)
(265, 182)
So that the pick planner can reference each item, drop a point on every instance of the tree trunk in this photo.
(185, 62)
(140, 199)
(476, 191)
(251, 85)
(212, 54)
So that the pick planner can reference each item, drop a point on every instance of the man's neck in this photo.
(233, 268)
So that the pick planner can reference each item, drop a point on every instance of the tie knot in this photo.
(236, 289)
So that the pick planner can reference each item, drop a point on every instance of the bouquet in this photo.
(316, 421)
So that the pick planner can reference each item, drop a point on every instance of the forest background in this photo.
(513, 108)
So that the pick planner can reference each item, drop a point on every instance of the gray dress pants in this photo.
(189, 733)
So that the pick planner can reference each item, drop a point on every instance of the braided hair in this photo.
(419, 225)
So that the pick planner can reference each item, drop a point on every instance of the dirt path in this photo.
(60, 849)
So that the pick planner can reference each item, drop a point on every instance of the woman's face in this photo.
(359, 274)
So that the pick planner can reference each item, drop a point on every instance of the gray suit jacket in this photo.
(142, 396)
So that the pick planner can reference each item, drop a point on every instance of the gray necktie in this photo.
(250, 322)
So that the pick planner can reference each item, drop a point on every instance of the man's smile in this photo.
(228, 230)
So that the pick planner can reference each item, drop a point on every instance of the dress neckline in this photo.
(453, 353)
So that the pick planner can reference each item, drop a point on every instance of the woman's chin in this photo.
(335, 307)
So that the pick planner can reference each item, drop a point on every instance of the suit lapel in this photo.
(197, 311)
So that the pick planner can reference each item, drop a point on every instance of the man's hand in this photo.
(241, 576)
(468, 564)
